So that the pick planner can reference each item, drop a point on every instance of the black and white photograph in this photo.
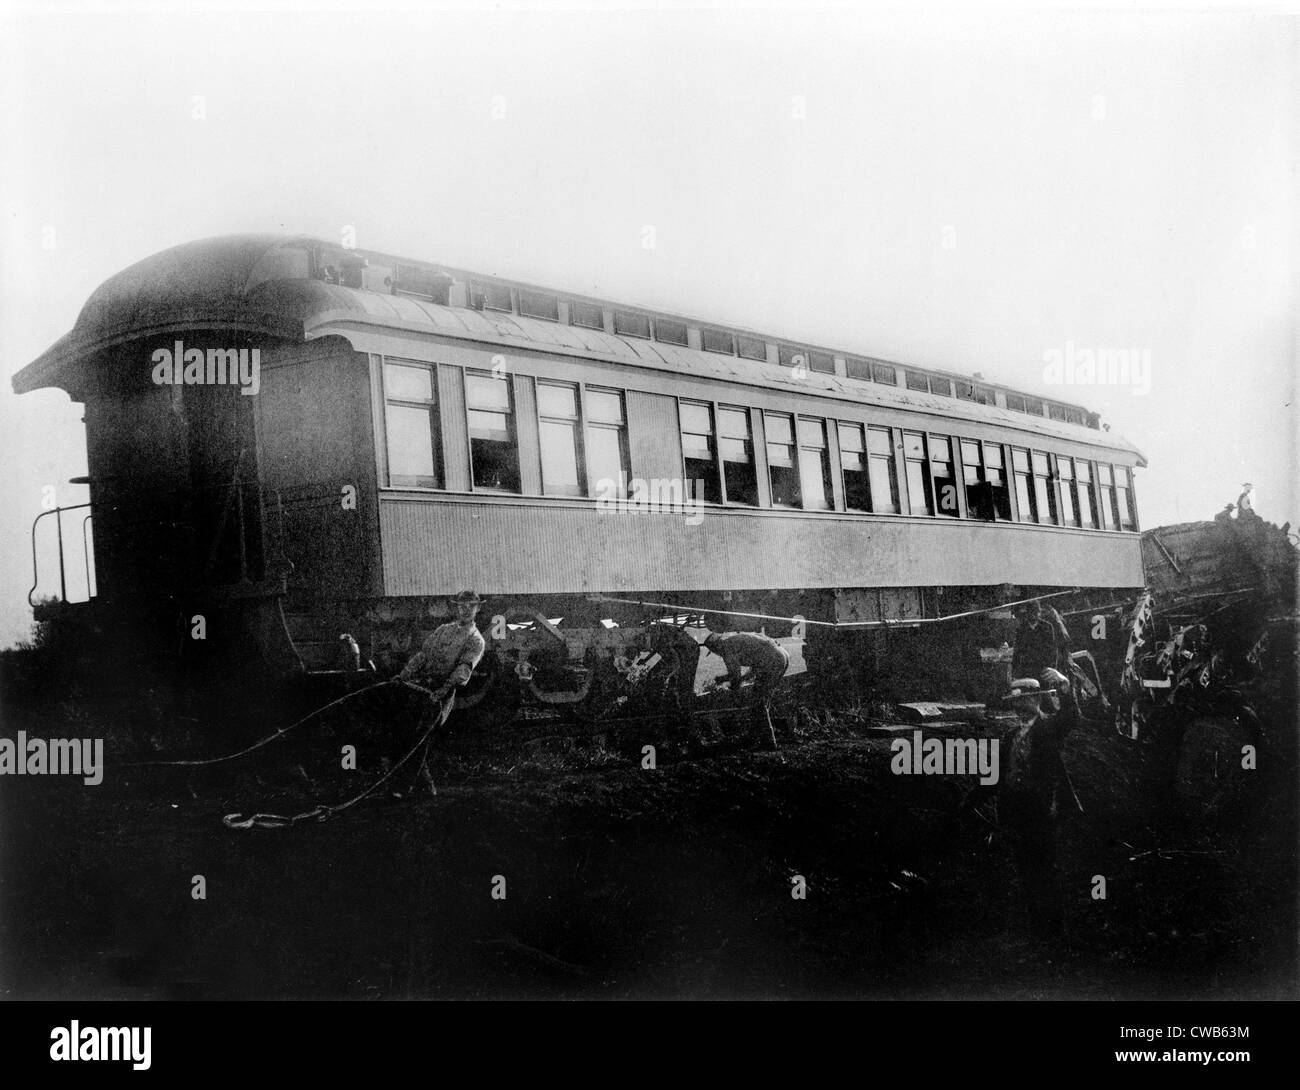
(649, 501)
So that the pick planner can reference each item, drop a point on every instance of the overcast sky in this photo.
(955, 192)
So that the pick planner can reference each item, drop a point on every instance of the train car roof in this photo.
(263, 284)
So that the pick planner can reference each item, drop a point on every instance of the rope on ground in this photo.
(322, 812)
(276, 734)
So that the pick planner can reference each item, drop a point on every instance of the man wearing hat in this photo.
(443, 664)
(1033, 784)
(767, 662)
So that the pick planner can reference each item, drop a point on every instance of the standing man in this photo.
(1042, 641)
(1034, 783)
(767, 661)
(444, 664)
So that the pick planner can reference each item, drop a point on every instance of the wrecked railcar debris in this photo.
(1221, 612)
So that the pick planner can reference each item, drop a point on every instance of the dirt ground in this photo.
(623, 881)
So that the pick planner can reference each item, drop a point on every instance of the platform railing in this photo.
(234, 501)
(57, 512)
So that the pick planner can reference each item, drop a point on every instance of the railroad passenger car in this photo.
(589, 467)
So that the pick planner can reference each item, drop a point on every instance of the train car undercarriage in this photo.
(601, 656)
(598, 656)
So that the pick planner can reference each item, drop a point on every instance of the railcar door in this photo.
(225, 507)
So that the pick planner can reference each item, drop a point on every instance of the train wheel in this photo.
(606, 695)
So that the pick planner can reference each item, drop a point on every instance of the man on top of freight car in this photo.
(767, 661)
(443, 664)
(1246, 502)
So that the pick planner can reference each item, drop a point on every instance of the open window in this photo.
(853, 464)
(867, 462)
(782, 460)
(699, 450)
(735, 444)
(493, 446)
(942, 477)
(987, 495)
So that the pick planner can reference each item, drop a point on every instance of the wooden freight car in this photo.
(296, 440)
